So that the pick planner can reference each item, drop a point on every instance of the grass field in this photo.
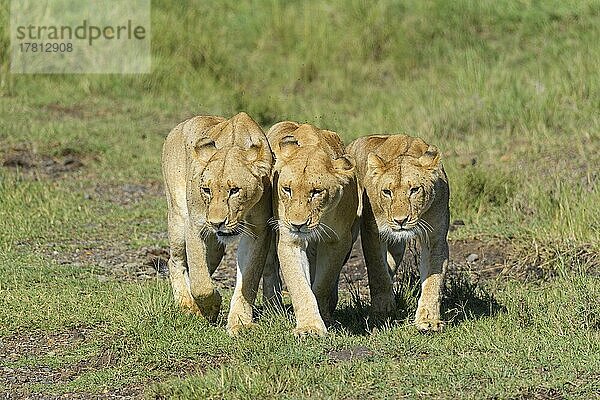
(508, 90)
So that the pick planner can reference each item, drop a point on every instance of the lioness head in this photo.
(401, 190)
(309, 184)
(226, 183)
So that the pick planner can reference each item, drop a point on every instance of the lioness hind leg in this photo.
(394, 256)
(329, 262)
(271, 280)
(434, 261)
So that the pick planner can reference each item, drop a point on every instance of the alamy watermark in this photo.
(80, 36)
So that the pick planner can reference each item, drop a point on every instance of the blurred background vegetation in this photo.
(509, 90)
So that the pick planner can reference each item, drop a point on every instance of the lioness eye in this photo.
(387, 192)
(233, 191)
(206, 190)
(287, 190)
(316, 192)
(414, 190)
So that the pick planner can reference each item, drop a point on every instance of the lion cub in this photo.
(217, 181)
(405, 195)
(315, 199)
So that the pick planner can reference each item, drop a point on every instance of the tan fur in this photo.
(403, 185)
(217, 181)
(314, 202)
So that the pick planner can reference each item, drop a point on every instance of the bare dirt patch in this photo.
(350, 354)
(19, 380)
(37, 343)
(36, 165)
(78, 111)
(126, 194)
(113, 260)
(482, 259)
(117, 261)
(196, 366)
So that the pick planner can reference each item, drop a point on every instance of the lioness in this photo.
(314, 203)
(217, 180)
(404, 195)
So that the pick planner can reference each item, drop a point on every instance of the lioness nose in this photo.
(297, 227)
(402, 220)
(217, 224)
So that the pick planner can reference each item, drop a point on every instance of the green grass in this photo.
(508, 90)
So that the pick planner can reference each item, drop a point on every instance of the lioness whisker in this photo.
(246, 231)
(325, 226)
(204, 231)
(426, 225)
(275, 224)
(318, 234)
(424, 235)
(324, 232)
(247, 228)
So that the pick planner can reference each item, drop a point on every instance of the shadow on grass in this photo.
(464, 299)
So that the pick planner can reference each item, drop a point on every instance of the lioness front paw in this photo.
(239, 319)
(234, 330)
(187, 304)
(428, 321)
(303, 331)
(209, 306)
(429, 325)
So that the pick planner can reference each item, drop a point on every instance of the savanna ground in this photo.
(509, 90)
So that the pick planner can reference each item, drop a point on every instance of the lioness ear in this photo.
(431, 158)
(287, 145)
(259, 159)
(205, 148)
(375, 164)
(344, 165)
